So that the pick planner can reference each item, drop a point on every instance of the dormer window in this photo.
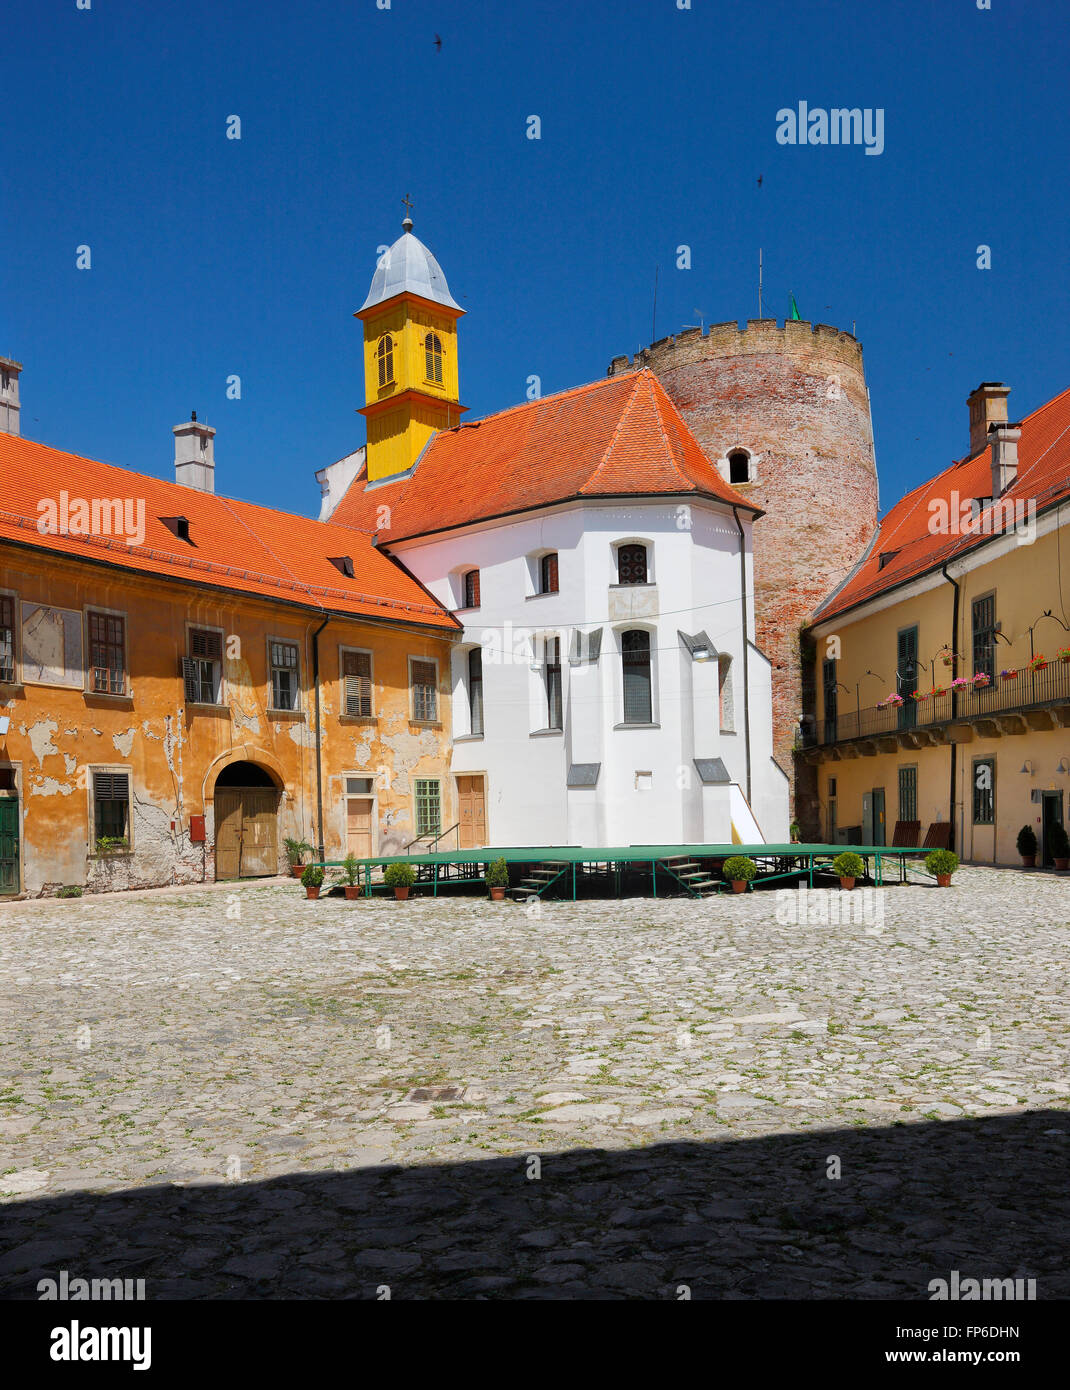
(631, 564)
(739, 466)
(178, 526)
(433, 356)
(343, 564)
(385, 356)
(886, 557)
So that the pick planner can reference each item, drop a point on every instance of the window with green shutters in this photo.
(428, 806)
(111, 805)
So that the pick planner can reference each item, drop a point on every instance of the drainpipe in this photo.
(746, 642)
(954, 693)
(319, 761)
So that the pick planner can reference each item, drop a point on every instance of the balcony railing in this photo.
(1049, 684)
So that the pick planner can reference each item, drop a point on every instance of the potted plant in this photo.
(1038, 662)
(982, 678)
(112, 844)
(1060, 846)
(793, 831)
(351, 873)
(892, 699)
(1063, 653)
(295, 852)
(312, 878)
(498, 879)
(848, 866)
(1027, 846)
(400, 877)
(1008, 673)
(941, 863)
(738, 871)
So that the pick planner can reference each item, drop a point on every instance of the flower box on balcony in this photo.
(961, 683)
(981, 679)
(1038, 663)
(919, 696)
(1008, 675)
(892, 700)
(1063, 653)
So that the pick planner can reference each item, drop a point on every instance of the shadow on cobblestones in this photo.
(756, 1218)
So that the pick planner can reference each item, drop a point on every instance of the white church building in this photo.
(607, 689)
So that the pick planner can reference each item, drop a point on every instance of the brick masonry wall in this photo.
(795, 399)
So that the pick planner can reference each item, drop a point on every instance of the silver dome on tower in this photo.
(408, 267)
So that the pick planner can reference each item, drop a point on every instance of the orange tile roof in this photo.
(619, 437)
(903, 535)
(235, 545)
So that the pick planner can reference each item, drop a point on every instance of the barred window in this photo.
(285, 684)
(433, 356)
(111, 805)
(424, 692)
(548, 574)
(428, 806)
(385, 356)
(107, 662)
(202, 668)
(631, 564)
(908, 793)
(984, 636)
(635, 656)
(357, 680)
(475, 689)
(7, 639)
(984, 791)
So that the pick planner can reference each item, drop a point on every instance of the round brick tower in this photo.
(783, 412)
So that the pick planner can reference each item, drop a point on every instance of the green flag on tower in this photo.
(794, 310)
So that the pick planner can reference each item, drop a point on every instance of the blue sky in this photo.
(213, 256)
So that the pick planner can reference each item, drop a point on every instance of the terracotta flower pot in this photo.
(1029, 861)
(296, 870)
(1062, 864)
(353, 890)
(312, 892)
(943, 880)
(847, 883)
(401, 892)
(739, 885)
(497, 892)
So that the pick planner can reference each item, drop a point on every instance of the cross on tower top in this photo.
(408, 205)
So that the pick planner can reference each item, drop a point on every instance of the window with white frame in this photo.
(424, 678)
(7, 639)
(475, 690)
(632, 565)
(202, 668)
(285, 675)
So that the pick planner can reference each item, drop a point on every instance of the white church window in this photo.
(724, 694)
(635, 661)
(631, 564)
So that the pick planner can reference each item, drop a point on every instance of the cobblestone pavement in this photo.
(240, 1093)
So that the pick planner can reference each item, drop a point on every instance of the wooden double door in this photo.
(472, 811)
(246, 832)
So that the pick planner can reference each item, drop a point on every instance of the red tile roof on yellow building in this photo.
(620, 437)
(232, 545)
(904, 537)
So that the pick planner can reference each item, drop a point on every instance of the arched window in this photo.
(635, 659)
(739, 466)
(631, 564)
(433, 355)
(471, 589)
(385, 355)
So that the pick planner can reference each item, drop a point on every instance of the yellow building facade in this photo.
(942, 668)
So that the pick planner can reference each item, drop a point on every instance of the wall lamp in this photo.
(1029, 767)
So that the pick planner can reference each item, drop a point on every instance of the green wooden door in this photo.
(9, 844)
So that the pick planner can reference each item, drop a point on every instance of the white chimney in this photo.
(9, 395)
(1003, 441)
(195, 455)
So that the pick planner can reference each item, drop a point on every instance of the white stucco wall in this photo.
(648, 790)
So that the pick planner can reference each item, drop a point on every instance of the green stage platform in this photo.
(454, 868)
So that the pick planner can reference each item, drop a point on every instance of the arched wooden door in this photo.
(246, 824)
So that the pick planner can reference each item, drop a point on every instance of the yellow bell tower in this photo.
(411, 383)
